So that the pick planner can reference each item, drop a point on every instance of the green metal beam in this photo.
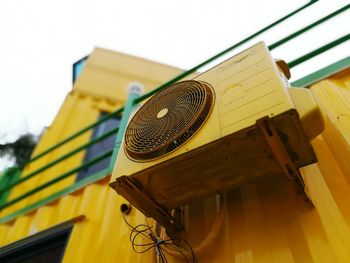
(307, 28)
(75, 135)
(122, 127)
(10, 175)
(166, 84)
(188, 72)
(70, 189)
(57, 179)
(318, 51)
(322, 73)
(58, 160)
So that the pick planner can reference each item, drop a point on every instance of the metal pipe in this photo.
(188, 72)
(112, 114)
(133, 94)
(318, 51)
(58, 160)
(303, 30)
(57, 179)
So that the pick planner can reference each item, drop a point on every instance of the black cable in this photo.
(163, 256)
(181, 252)
(146, 231)
(192, 252)
(184, 250)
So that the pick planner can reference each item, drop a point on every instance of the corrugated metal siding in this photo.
(76, 112)
(101, 87)
(265, 222)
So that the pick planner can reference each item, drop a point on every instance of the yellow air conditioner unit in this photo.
(229, 126)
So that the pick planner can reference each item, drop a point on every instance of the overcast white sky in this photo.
(40, 40)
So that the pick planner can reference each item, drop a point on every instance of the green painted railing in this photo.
(12, 178)
(59, 160)
(75, 135)
(135, 99)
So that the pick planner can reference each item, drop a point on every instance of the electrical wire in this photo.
(178, 248)
(211, 236)
(160, 245)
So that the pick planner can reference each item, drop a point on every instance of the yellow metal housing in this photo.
(247, 87)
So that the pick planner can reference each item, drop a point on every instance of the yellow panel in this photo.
(261, 93)
(309, 112)
(107, 74)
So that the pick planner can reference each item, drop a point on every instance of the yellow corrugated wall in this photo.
(101, 87)
(77, 111)
(264, 222)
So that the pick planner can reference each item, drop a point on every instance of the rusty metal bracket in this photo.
(276, 145)
(129, 189)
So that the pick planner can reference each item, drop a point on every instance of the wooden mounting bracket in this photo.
(234, 160)
(130, 190)
(280, 152)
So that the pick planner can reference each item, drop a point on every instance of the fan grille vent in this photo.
(168, 119)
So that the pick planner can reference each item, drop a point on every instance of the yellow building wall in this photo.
(101, 87)
(108, 74)
(264, 221)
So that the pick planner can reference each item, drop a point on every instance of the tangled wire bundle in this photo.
(161, 246)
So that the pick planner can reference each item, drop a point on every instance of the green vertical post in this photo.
(9, 176)
(134, 91)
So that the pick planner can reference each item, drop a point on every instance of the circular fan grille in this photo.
(168, 119)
